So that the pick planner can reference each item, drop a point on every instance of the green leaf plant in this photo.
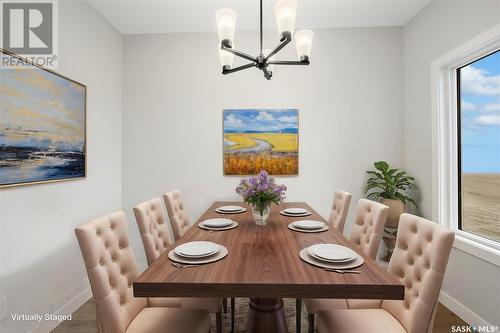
(389, 183)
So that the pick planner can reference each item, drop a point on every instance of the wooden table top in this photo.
(264, 262)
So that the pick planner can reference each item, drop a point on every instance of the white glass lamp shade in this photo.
(266, 52)
(226, 58)
(285, 11)
(226, 23)
(303, 42)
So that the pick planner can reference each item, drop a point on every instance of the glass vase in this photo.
(261, 213)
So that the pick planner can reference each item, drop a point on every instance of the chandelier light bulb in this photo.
(226, 58)
(285, 11)
(303, 43)
(226, 24)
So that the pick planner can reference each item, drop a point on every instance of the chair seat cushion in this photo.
(170, 320)
(314, 305)
(164, 302)
(202, 303)
(358, 320)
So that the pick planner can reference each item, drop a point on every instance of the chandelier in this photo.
(285, 11)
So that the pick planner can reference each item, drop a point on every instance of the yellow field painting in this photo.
(256, 140)
(280, 142)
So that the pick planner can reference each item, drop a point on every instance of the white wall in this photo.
(174, 94)
(42, 267)
(471, 283)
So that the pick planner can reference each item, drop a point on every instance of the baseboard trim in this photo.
(69, 307)
(461, 310)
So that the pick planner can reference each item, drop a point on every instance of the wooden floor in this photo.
(84, 319)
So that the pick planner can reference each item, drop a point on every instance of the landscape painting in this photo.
(261, 139)
(42, 126)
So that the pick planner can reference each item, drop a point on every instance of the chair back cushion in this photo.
(176, 213)
(340, 207)
(154, 232)
(419, 261)
(111, 269)
(369, 226)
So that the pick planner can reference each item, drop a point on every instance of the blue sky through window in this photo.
(480, 115)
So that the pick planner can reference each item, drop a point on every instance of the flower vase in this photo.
(261, 213)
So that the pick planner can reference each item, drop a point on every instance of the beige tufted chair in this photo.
(340, 207)
(366, 233)
(419, 261)
(111, 269)
(369, 226)
(156, 239)
(176, 213)
(338, 215)
(154, 232)
(180, 224)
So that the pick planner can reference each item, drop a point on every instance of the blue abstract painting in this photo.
(42, 126)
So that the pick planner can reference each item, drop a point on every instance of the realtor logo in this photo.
(29, 29)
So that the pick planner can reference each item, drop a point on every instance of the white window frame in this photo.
(445, 145)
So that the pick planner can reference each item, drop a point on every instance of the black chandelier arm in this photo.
(287, 38)
(226, 70)
(225, 46)
(303, 62)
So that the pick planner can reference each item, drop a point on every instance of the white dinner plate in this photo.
(332, 252)
(312, 255)
(197, 249)
(295, 211)
(295, 215)
(217, 223)
(308, 224)
(230, 208)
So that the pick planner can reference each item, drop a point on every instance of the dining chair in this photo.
(340, 208)
(338, 215)
(176, 213)
(156, 239)
(419, 262)
(111, 268)
(179, 222)
(366, 234)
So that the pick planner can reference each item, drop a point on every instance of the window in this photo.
(478, 146)
(465, 89)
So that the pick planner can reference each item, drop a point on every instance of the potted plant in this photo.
(260, 192)
(390, 186)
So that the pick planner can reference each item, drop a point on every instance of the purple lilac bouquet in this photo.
(261, 191)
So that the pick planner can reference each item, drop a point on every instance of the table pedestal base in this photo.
(266, 315)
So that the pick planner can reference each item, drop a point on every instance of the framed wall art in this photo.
(42, 124)
(261, 139)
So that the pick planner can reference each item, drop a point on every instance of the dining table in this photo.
(263, 264)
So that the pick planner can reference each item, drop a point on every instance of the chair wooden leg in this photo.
(298, 314)
(311, 322)
(233, 310)
(98, 321)
(218, 321)
(224, 305)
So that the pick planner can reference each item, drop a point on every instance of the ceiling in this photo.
(167, 16)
